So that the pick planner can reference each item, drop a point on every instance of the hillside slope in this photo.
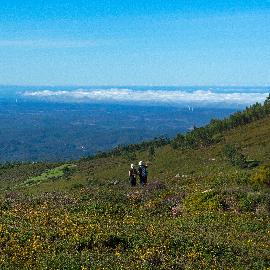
(198, 211)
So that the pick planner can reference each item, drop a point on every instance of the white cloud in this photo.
(150, 96)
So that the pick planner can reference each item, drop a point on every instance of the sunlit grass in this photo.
(197, 212)
(49, 174)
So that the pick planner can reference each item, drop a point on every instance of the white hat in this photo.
(141, 163)
(131, 166)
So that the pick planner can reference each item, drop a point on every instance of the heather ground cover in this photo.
(199, 211)
(153, 228)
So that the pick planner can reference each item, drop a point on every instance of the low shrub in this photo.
(262, 175)
(204, 201)
(235, 156)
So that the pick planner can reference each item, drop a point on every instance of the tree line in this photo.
(212, 132)
(131, 148)
(198, 137)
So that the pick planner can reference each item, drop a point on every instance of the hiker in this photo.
(132, 175)
(143, 173)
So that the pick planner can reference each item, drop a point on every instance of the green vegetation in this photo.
(198, 137)
(237, 158)
(212, 132)
(49, 174)
(201, 209)
(262, 175)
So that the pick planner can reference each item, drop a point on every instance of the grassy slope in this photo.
(207, 217)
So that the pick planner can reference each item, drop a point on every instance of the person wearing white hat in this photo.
(143, 173)
(132, 175)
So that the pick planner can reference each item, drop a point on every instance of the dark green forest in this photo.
(47, 131)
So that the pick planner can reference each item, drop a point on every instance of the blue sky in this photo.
(127, 42)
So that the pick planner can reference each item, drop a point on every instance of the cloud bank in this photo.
(199, 97)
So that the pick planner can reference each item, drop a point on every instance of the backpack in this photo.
(133, 172)
(143, 171)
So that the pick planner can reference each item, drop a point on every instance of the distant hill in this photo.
(206, 205)
(47, 131)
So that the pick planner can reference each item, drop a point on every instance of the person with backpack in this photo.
(132, 175)
(143, 173)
